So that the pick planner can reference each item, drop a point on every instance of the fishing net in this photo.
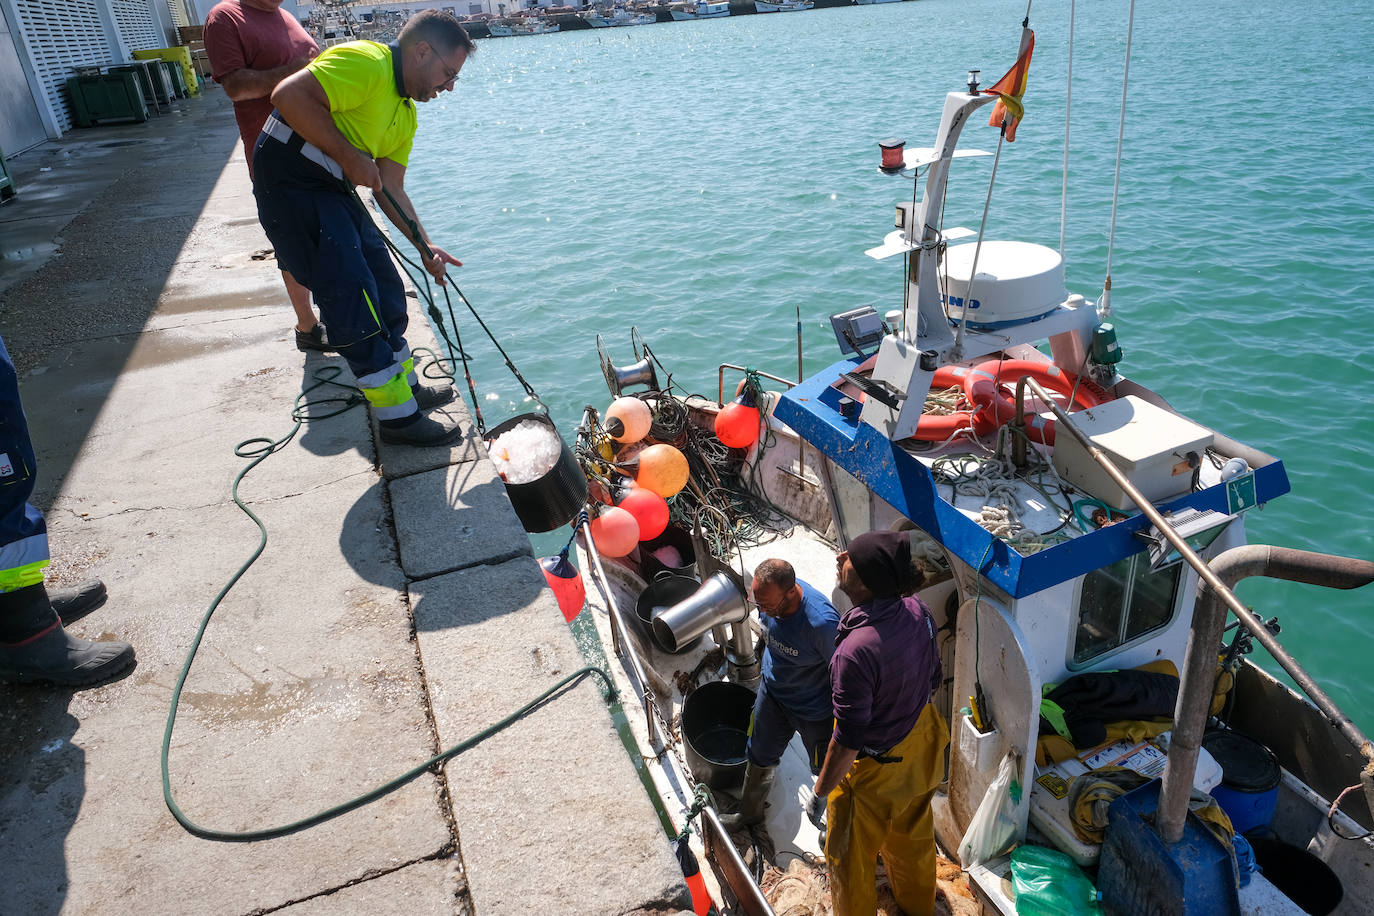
(803, 889)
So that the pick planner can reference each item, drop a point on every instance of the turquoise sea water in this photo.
(703, 180)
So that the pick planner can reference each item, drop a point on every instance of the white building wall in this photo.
(54, 37)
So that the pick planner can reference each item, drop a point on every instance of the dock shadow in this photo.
(42, 785)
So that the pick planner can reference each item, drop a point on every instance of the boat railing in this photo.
(659, 738)
(720, 378)
(1209, 617)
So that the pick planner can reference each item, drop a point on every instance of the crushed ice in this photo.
(526, 452)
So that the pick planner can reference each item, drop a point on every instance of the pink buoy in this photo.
(649, 509)
(615, 532)
(628, 419)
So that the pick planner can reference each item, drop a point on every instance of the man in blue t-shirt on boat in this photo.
(799, 625)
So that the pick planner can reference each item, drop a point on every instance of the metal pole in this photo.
(801, 442)
(1200, 659)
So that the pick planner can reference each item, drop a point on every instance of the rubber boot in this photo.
(77, 601)
(49, 654)
(757, 781)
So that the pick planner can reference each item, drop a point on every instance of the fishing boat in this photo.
(500, 30)
(617, 17)
(701, 10)
(535, 27)
(782, 6)
(863, 2)
(1069, 526)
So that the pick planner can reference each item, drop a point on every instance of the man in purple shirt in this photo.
(887, 754)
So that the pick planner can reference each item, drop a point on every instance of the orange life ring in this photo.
(983, 386)
(939, 427)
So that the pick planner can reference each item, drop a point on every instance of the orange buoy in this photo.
(649, 509)
(628, 419)
(566, 583)
(984, 386)
(662, 469)
(614, 532)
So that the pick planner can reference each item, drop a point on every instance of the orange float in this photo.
(984, 386)
(662, 469)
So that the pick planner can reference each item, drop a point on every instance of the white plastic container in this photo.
(1149, 444)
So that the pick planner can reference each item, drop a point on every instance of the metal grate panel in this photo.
(137, 27)
(61, 35)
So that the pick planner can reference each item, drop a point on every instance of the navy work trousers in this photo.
(23, 531)
(324, 239)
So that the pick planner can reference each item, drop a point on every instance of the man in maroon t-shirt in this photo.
(253, 46)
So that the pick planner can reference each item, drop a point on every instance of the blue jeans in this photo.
(771, 727)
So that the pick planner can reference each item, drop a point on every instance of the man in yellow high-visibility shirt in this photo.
(346, 119)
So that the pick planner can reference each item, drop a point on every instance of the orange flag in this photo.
(1011, 87)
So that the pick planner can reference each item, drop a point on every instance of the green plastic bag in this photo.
(1049, 883)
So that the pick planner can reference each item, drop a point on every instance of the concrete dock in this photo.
(395, 611)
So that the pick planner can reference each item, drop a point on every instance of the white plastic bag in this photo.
(993, 828)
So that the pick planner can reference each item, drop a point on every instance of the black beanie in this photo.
(883, 561)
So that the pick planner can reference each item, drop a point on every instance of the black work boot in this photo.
(422, 431)
(48, 653)
(77, 601)
(429, 398)
(757, 782)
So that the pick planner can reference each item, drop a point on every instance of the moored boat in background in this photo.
(782, 6)
(702, 9)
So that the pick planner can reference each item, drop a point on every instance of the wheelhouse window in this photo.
(1121, 603)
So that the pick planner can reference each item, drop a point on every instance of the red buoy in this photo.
(737, 424)
(648, 508)
(566, 583)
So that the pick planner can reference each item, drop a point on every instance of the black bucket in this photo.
(715, 730)
(1304, 879)
(554, 499)
(675, 538)
(666, 590)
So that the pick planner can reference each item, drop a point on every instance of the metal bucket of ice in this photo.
(545, 485)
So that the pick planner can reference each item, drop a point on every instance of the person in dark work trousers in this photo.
(799, 637)
(34, 645)
(887, 755)
(348, 118)
(253, 45)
